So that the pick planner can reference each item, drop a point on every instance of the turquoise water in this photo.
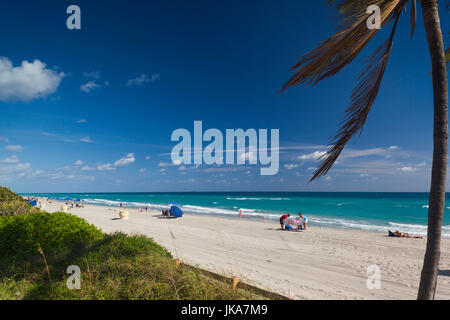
(406, 212)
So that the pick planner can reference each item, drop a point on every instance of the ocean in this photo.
(372, 211)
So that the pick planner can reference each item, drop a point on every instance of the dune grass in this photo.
(117, 266)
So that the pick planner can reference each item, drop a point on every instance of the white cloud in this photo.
(138, 81)
(12, 159)
(352, 153)
(30, 80)
(92, 74)
(312, 156)
(37, 172)
(164, 164)
(393, 148)
(155, 76)
(89, 86)
(407, 169)
(79, 163)
(168, 164)
(142, 170)
(86, 139)
(248, 156)
(13, 148)
(106, 167)
(82, 121)
(290, 166)
(4, 139)
(147, 158)
(87, 168)
(177, 162)
(422, 164)
(143, 78)
(124, 161)
(11, 171)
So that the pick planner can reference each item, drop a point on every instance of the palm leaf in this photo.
(347, 7)
(413, 17)
(339, 50)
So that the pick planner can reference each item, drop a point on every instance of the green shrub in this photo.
(11, 204)
(122, 245)
(22, 235)
(7, 195)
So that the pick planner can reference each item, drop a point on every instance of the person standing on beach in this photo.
(303, 219)
(283, 219)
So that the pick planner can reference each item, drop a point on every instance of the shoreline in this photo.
(320, 263)
(380, 226)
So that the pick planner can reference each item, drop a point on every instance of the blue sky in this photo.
(99, 114)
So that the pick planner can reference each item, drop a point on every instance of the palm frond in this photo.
(413, 17)
(347, 7)
(339, 50)
(363, 97)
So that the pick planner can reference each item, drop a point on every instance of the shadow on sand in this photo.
(162, 217)
(445, 273)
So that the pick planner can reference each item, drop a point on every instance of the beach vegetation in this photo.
(24, 234)
(11, 204)
(40, 250)
(117, 266)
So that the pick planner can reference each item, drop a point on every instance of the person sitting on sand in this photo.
(165, 213)
(283, 219)
(399, 234)
(303, 219)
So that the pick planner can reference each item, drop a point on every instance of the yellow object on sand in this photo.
(123, 214)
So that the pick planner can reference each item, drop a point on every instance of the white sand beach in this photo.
(320, 263)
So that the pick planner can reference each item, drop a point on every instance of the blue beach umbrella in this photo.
(174, 204)
(32, 202)
(176, 212)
